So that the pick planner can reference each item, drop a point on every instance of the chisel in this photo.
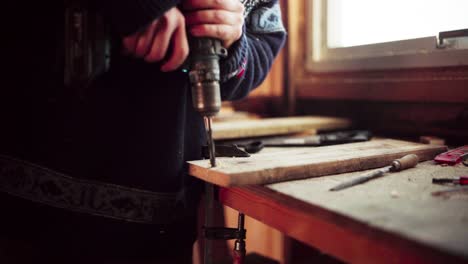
(406, 162)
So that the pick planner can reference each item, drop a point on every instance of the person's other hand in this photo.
(153, 43)
(221, 19)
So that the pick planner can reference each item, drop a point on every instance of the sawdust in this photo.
(394, 194)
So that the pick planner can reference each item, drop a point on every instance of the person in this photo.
(104, 175)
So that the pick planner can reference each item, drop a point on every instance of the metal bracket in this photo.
(225, 151)
(443, 39)
(224, 233)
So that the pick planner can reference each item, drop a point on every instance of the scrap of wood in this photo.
(432, 140)
(276, 126)
(299, 163)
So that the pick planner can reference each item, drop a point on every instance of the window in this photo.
(386, 34)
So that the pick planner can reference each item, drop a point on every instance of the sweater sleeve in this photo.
(251, 57)
(128, 16)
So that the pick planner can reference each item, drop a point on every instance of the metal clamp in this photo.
(224, 233)
(444, 36)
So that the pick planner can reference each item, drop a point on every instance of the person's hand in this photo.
(165, 34)
(221, 19)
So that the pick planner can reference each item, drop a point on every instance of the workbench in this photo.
(393, 219)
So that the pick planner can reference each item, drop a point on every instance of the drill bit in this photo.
(210, 191)
(209, 136)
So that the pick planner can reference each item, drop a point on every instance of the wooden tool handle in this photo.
(406, 162)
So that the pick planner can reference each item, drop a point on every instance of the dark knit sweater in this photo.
(136, 126)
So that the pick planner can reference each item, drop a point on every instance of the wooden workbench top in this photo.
(394, 219)
(399, 202)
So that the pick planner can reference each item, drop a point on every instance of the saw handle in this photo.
(406, 162)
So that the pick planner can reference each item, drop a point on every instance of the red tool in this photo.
(463, 180)
(453, 156)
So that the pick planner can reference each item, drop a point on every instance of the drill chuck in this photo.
(205, 74)
(206, 97)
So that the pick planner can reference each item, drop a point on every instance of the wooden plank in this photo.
(299, 163)
(276, 126)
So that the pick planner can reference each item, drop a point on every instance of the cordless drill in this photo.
(204, 78)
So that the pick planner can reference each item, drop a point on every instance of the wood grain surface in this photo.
(394, 219)
(299, 163)
(276, 126)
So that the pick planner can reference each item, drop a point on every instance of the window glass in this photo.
(360, 22)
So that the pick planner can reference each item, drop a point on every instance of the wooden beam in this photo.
(390, 87)
(276, 126)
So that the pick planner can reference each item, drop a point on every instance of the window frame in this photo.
(427, 84)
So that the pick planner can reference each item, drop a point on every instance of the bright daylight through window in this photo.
(386, 34)
(359, 22)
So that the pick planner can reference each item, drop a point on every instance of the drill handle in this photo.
(206, 47)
